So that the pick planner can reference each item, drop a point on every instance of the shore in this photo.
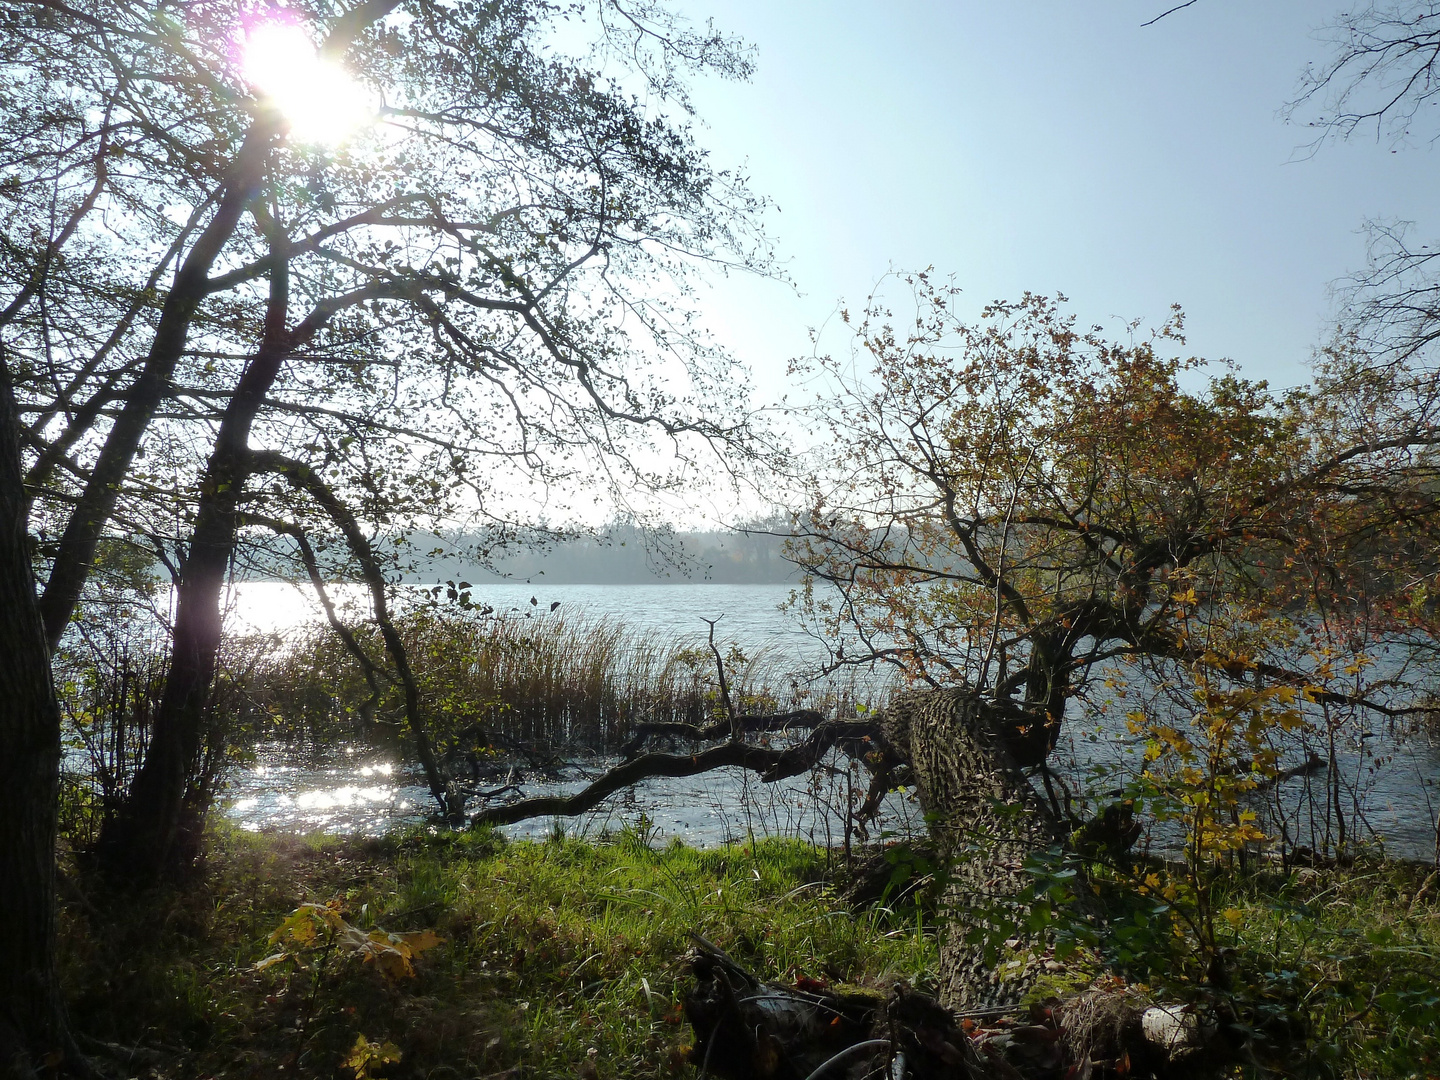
(564, 957)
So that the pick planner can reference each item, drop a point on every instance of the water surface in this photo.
(1390, 780)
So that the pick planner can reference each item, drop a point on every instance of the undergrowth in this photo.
(1341, 967)
(563, 957)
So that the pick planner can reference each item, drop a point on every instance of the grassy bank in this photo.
(560, 956)
(563, 958)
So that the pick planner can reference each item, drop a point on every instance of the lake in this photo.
(1390, 780)
(748, 614)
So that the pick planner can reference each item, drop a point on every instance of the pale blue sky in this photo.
(1050, 145)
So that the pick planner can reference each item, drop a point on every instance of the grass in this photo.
(559, 956)
(1349, 960)
(564, 957)
(1330, 972)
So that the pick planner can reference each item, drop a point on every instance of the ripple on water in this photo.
(336, 791)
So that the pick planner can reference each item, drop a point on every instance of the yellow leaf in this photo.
(421, 940)
(364, 1056)
(299, 926)
(271, 960)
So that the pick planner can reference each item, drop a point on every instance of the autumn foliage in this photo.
(1079, 526)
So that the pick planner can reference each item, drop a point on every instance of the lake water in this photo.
(355, 790)
(748, 614)
(1390, 780)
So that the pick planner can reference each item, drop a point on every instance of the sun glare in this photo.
(321, 102)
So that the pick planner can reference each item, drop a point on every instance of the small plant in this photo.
(365, 1057)
(1201, 777)
(314, 932)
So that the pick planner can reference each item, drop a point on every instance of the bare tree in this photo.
(1381, 81)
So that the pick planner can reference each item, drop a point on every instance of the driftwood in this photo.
(746, 1029)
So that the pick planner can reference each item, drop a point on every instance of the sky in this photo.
(1050, 146)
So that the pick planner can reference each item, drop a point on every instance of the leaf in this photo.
(420, 940)
(272, 960)
(299, 926)
(364, 1056)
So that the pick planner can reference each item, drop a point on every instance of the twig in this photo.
(1171, 11)
(724, 686)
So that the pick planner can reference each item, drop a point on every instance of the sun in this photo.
(320, 100)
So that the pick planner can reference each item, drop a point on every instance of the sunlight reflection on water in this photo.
(1392, 782)
(324, 792)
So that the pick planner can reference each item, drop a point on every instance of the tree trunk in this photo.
(32, 1025)
(141, 840)
(985, 819)
(97, 502)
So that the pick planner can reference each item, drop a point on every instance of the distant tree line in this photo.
(624, 555)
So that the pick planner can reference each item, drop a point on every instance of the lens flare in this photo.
(319, 99)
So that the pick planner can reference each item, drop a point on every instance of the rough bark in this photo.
(984, 818)
(32, 1025)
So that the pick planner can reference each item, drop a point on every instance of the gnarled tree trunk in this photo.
(966, 757)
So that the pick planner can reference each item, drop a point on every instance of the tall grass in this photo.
(510, 681)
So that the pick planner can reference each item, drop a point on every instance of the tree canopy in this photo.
(1020, 504)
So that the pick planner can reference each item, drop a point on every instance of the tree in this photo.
(1382, 75)
(30, 1010)
(484, 290)
(1034, 514)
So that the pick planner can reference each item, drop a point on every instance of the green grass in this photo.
(1349, 961)
(552, 950)
(560, 948)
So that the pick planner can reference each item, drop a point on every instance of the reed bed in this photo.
(512, 681)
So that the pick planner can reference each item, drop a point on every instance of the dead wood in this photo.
(747, 1029)
(755, 723)
(771, 763)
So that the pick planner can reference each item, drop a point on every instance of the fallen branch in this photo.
(749, 723)
(769, 762)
